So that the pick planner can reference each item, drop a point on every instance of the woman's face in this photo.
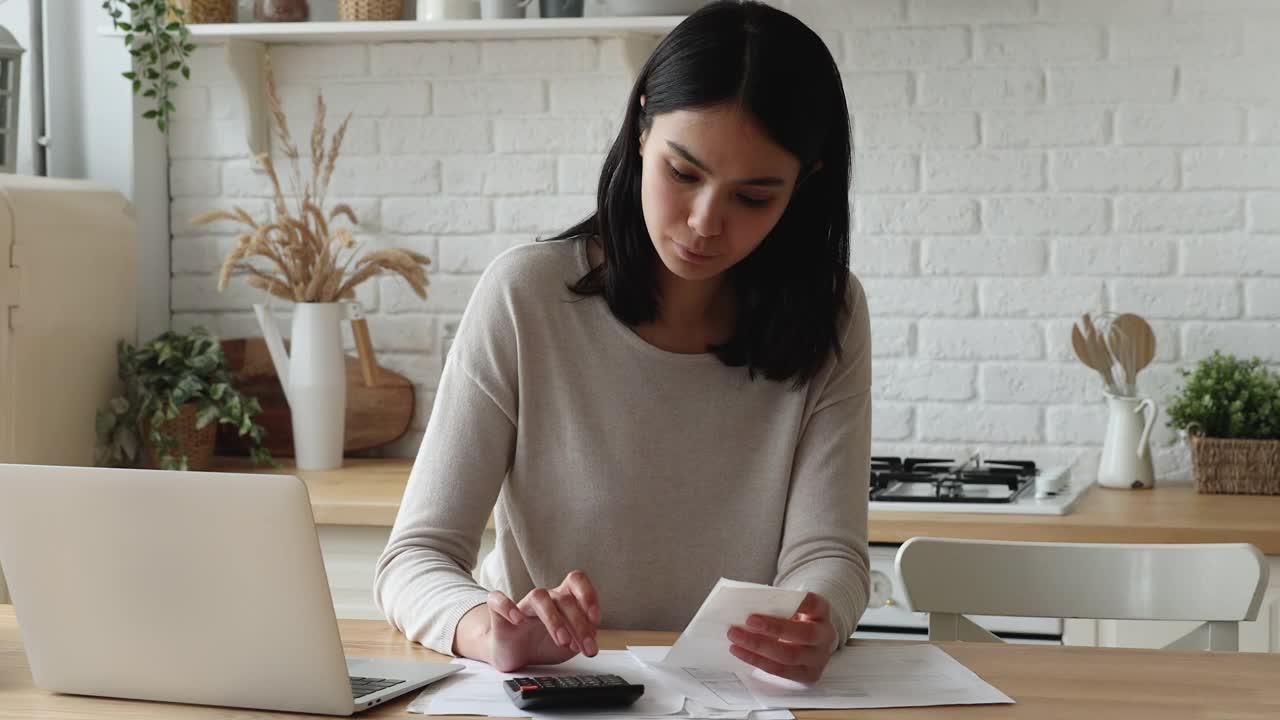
(712, 188)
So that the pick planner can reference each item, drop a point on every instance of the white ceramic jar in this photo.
(436, 10)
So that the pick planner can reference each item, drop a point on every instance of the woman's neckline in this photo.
(628, 334)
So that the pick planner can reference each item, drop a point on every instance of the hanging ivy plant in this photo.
(158, 39)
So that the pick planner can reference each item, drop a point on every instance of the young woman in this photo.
(672, 391)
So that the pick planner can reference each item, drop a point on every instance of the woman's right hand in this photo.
(547, 626)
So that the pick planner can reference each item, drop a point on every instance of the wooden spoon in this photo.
(1098, 353)
(1141, 338)
(1078, 344)
(1120, 342)
(1081, 346)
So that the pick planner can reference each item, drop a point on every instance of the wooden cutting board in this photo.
(376, 415)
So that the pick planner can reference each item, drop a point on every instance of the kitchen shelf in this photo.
(245, 44)
(415, 31)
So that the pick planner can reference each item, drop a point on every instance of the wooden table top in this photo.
(368, 491)
(1045, 681)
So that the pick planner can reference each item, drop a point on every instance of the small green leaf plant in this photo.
(1226, 397)
(159, 378)
(158, 39)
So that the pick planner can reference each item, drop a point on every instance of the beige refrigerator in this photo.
(68, 283)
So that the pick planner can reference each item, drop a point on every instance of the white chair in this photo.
(1216, 584)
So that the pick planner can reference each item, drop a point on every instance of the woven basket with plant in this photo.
(1230, 410)
(177, 389)
(302, 254)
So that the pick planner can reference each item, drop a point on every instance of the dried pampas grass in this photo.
(302, 256)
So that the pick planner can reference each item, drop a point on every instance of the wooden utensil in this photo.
(1085, 352)
(1081, 346)
(364, 348)
(1146, 340)
(378, 412)
(1141, 345)
(1099, 357)
(1121, 348)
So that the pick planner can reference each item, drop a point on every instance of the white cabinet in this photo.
(1261, 635)
(350, 555)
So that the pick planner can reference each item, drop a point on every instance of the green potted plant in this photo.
(177, 390)
(1230, 410)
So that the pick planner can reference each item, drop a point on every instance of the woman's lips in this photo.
(691, 256)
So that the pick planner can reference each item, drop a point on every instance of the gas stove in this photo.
(971, 485)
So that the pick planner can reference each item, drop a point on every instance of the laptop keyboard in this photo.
(361, 686)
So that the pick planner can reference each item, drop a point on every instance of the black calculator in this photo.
(571, 691)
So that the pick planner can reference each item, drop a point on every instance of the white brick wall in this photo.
(1018, 162)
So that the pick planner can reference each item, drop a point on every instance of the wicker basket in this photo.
(1231, 466)
(197, 445)
(369, 9)
(197, 12)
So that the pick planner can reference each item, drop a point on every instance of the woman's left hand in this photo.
(797, 648)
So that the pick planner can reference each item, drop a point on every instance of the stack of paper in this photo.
(477, 690)
(697, 677)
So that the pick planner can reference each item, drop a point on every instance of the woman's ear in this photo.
(644, 134)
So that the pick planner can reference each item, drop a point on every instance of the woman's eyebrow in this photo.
(683, 152)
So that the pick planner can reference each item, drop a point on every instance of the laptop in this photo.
(191, 587)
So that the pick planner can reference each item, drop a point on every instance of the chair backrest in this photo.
(1220, 584)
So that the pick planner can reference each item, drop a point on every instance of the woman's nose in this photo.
(705, 216)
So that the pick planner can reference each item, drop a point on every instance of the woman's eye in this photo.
(752, 202)
(681, 177)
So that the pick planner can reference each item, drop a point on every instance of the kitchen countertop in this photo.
(1045, 682)
(367, 492)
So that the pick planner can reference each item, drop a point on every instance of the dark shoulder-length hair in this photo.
(790, 291)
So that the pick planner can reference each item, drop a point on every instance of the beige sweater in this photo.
(654, 472)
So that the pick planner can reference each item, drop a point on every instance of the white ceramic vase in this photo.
(436, 10)
(314, 377)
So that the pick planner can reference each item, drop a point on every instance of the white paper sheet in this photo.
(693, 709)
(879, 676)
(719, 690)
(704, 644)
(477, 688)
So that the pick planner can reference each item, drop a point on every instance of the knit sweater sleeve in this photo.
(824, 544)
(423, 581)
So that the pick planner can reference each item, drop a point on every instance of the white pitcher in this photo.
(314, 379)
(1126, 455)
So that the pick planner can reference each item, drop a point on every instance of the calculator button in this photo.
(571, 682)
